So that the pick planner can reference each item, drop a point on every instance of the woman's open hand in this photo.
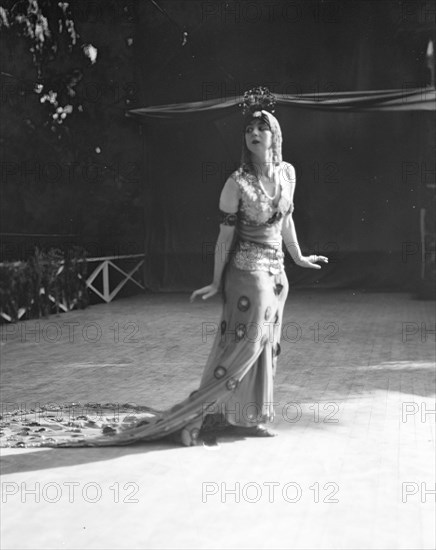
(205, 292)
(309, 261)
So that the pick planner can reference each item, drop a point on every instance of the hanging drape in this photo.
(360, 177)
(416, 99)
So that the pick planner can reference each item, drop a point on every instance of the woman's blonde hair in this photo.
(276, 131)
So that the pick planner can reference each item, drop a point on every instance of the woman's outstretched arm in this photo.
(289, 233)
(229, 202)
(222, 251)
(290, 239)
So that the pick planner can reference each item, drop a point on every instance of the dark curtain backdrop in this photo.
(360, 175)
(358, 195)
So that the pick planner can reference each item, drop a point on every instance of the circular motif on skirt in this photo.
(223, 327)
(267, 313)
(210, 407)
(231, 384)
(243, 303)
(220, 372)
(240, 331)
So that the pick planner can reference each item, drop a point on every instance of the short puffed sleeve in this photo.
(229, 199)
(229, 203)
(290, 178)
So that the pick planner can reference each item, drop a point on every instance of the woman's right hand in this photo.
(205, 292)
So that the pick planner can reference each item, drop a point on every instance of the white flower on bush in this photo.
(3, 17)
(91, 52)
(61, 112)
(51, 97)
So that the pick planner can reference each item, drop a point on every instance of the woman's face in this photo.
(258, 137)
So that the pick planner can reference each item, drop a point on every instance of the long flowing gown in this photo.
(237, 381)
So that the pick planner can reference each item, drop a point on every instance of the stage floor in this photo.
(353, 466)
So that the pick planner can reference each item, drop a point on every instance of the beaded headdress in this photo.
(256, 100)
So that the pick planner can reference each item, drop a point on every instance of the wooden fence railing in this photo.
(105, 265)
(107, 262)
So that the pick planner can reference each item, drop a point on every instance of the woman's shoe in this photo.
(262, 431)
(190, 438)
(209, 440)
(185, 437)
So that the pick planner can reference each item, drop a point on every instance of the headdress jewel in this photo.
(257, 100)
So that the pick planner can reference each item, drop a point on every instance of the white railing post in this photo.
(106, 286)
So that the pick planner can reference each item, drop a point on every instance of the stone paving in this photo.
(352, 468)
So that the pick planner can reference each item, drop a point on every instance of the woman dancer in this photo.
(256, 207)
(256, 217)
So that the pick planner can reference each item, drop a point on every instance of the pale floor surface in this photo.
(353, 466)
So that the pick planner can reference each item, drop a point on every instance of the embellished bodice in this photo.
(255, 207)
(259, 223)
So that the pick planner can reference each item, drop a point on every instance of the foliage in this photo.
(43, 284)
(48, 30)
(72, 156)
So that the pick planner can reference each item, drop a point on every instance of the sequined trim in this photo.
(251, 256)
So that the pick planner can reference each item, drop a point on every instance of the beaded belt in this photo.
(251, 256)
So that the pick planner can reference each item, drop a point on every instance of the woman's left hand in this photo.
(309, 261)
